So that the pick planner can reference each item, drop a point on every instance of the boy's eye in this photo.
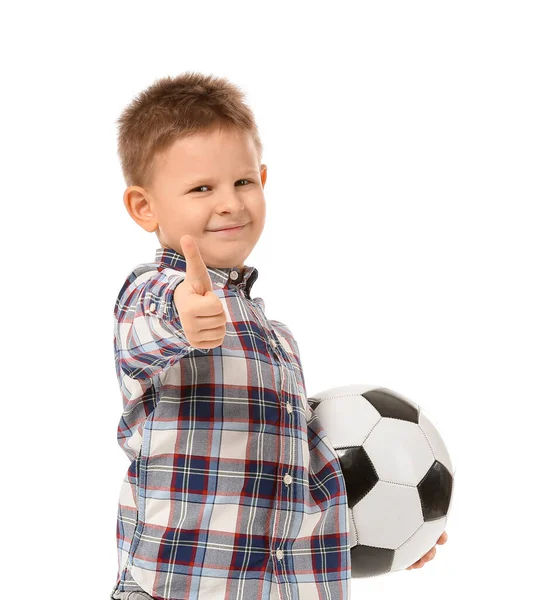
(205, 186)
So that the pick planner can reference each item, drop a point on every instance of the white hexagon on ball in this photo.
(406, 458)
(388, 515)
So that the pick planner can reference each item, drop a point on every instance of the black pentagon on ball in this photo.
(392, 405)
(359, 473)
(313, 403)
(435, 490)
(368, 561)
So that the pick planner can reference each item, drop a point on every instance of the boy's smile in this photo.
(204, 185)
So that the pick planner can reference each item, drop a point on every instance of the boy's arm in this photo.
(148, 332)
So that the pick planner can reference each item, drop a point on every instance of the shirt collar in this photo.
(219, 276)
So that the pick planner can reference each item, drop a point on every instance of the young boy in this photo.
(233, 492)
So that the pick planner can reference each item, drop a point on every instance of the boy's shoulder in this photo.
(144, 271)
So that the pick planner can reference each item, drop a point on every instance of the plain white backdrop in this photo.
(399, 247)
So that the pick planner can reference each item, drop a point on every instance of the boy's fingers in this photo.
(196, 271)
(429, 555)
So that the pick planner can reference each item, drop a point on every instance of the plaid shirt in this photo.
(234, 491)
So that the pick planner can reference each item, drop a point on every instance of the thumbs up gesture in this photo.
(200, 310)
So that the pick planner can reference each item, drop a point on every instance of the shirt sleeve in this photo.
(148, 332)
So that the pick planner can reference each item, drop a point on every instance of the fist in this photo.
(200, 310)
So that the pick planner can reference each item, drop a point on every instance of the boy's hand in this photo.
(429, 555)
(200, 310)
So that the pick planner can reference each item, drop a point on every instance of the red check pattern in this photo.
(233, 490)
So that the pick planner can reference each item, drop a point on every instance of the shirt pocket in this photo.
(294, 363)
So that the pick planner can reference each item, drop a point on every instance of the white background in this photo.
(399, 247)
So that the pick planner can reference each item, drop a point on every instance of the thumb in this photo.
(197, 275)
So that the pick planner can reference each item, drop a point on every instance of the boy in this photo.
(233, 490)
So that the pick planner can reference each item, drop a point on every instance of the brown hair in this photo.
(173, 108)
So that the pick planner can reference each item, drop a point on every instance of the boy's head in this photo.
(191, 158)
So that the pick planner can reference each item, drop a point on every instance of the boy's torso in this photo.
(234, 490)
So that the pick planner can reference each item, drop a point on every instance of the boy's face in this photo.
(205, 182)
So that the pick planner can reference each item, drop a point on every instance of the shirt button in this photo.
(287, 479)
(279, 554)
(289, 407)
(274, 343)
(234, 275)
(152, 307)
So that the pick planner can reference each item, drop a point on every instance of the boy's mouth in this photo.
(230, 232)
(229, 227)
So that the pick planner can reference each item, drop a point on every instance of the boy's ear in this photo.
(136, 201)
(264, 173)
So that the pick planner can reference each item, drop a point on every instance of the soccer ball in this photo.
(398, 474)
